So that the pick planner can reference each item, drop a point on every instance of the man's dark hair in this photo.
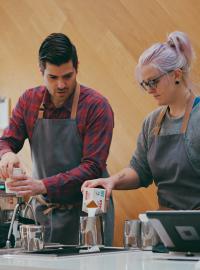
(57, 49)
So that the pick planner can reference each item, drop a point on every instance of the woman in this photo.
(168, 146)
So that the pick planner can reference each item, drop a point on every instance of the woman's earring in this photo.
(177, 82)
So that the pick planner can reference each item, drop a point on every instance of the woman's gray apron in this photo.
(57, 147)
(178, 183)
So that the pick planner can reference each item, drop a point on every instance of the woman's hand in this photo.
(106, 183)
(126, 179)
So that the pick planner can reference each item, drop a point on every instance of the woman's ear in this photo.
(178, 74)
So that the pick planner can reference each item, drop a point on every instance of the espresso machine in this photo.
(13, 210)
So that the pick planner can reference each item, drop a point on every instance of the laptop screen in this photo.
(179, 230)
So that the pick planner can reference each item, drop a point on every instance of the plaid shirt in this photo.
(95, 124)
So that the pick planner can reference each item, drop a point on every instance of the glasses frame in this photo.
(152, 84)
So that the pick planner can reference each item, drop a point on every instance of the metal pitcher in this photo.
(91, 231)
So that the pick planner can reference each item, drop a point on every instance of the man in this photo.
(69, 127)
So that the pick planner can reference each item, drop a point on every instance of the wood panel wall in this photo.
(109, 36)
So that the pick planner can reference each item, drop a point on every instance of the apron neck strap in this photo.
(41, 110)
(188, 110)
(186, 117)
(159, 121)
(75, 101)
(74, 104)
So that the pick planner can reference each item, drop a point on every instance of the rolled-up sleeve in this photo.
(14, 135)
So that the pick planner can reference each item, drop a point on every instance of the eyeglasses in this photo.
(151, 84)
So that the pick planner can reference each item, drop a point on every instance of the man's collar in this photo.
(48, 104)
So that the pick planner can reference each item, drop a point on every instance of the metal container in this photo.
(91, 231)
(32, 237)
(132, 234)
(149, 236)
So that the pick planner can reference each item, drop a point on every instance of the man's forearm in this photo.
(66, 186)
(4, 151)
(4, 147)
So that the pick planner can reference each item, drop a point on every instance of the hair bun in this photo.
(170, 42)
(181, 43)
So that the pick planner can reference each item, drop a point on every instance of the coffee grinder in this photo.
(12, 208)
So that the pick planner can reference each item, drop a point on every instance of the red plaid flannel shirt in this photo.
(95, 124)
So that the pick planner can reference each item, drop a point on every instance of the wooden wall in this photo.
(109, 35)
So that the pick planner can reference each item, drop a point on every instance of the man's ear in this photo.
(77, 67)
(41, 68)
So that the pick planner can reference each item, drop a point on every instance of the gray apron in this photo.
(56, 147)
(178, 183)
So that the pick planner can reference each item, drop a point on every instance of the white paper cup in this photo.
(16, 172)
(6, 187)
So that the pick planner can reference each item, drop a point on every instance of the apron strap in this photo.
(159, 121)
(187, 112)
(74, 104)
(184, 125)
(75, 101)
(41, 110)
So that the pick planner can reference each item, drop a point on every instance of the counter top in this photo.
(122, 260)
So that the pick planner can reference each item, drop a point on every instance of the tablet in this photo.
(179, 230)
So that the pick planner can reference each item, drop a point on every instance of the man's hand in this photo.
(25, 185)
(8, 161)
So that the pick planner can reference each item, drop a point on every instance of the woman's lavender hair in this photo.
(176, 53)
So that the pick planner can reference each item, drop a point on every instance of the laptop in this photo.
(179, 230)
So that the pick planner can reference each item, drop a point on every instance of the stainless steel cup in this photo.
(91, 231)
(32, 237)
(132, 234)
(149, 236)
